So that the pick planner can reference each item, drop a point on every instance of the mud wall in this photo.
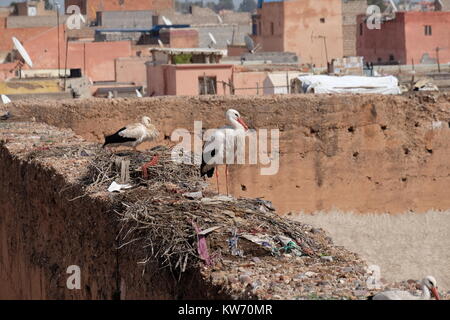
(45, 227)
(358, 153)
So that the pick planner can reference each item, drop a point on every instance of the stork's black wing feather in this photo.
(117, 138)
(207, 169)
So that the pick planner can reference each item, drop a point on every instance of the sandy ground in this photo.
(406, 246)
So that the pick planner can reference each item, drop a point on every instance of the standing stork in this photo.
(429, 288)
(220, 145)
(133, 135)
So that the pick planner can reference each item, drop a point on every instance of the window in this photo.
(428, 31)
(322, 20)
(272, 29)
(361, 28)
(207, 85)
(391, 57)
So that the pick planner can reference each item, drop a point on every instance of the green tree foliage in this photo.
(224, 5)
(248, 6)
(379, 3)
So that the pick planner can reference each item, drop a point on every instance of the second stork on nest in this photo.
(133, 135)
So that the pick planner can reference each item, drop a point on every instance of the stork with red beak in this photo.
(220, 146)
(429, 289)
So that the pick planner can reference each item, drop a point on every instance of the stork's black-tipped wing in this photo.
(117, 138)
(207, 169)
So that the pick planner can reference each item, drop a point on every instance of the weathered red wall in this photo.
(97, 59)
(92, 6)
(405, 39)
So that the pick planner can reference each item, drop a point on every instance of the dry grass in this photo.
(407, 246)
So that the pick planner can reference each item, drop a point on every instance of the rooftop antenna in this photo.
(167, 22)
(138, 94)
(213, 40)
(394, 7)
(25, 57)
(5, 99)
(161, 44)
(250, 44)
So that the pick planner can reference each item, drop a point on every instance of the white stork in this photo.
(220, 145)
(428, 284)
(133, 135)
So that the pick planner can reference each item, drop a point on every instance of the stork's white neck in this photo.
(146, 122)
(235, 124)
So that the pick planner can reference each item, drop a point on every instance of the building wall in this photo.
(350, 11)
(405, 39)
(295, 26)
(301, 38)
(131, 70)
(418, 44)
(91, 7)
(182, 80)
(377, 45)
(96, 59)
(180, 38)
(247, 82)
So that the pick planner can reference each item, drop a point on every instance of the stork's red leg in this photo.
(217, 179)
(226, 177)
(151, 163)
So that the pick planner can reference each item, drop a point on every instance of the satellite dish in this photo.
(213, 40)
(250, 44)
(138, 94)
(161, 44)
(167, 22)
(24, 54)
(5, 99)
(220, 19)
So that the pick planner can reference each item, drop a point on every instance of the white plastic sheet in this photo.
(349, 84)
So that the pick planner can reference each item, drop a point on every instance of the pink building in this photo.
(310, 28)
(410, 37)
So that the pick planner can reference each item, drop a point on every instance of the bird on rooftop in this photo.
(220, 145)
(133, 135)
(429, 289)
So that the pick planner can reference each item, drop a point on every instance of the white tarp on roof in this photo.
(349, 84)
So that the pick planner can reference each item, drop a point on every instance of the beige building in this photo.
(312, 29)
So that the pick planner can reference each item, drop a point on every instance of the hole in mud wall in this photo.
(383, 127)
(404, 179)
(351, 129)
(243, 187)
(406, 151)
(417, 125)
(430, 151)
(355, 154)
(313, 130)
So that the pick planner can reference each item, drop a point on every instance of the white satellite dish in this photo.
(138, 94)
(250, 44)
(220, 19)
(213, 40)
(167, 22)
(5, 99)
(25, 56)
(161, 44)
